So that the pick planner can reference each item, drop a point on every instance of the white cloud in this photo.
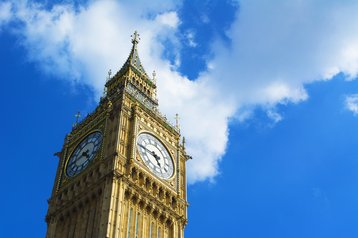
(205, 121)
(169, 19)
(274, 115)
(80, 45)
(5, 12)
(190, 36)
(351, 103)
(276, 48)
(71, 42)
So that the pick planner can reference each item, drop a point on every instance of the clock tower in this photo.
(121, 170)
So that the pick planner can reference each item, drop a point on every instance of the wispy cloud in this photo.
(274, 115)
(5, 12)
(351, 103)
(190, 36)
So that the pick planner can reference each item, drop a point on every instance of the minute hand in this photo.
(156, 157)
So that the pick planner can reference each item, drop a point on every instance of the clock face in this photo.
(155, 156)
(84, 154)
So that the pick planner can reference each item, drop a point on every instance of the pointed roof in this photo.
(133, 59)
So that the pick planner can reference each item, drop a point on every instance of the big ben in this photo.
(121, 170)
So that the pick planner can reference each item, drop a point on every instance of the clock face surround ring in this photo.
(84, 153)
(155, 155)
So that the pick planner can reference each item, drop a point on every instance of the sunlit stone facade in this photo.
(121, 170)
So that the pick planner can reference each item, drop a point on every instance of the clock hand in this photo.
(156, 157)
(85, 154)
(151, 152)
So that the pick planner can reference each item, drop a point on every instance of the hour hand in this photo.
(156, 157)
(85, 154)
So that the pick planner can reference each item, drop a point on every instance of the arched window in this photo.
(159, 232)
(137, 225)
(151, 230)
(129, 223)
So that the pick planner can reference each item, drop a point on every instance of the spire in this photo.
(133, 59)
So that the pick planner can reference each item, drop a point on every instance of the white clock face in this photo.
(155, 156)
(84, 154)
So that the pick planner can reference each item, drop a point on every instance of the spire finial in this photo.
(109, 74)
(154, 74)
(154, 80)
(105, 85)
(78, 115)
(177, 120)
(135, 38)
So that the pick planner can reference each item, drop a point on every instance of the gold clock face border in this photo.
(74, 149)
(165, 146)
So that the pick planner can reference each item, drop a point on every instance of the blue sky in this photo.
(273, 85)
